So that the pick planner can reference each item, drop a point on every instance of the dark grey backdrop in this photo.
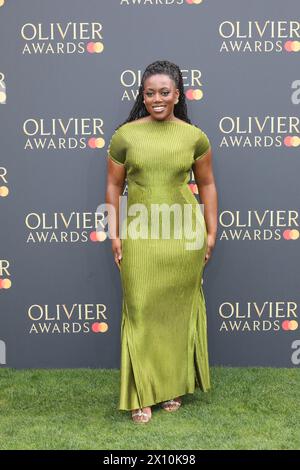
(243, 273)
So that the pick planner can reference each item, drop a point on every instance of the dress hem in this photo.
(204, 390)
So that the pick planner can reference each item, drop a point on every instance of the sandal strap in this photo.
(171, 402)
(139, 413)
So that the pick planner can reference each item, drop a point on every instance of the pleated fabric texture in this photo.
(164, 351)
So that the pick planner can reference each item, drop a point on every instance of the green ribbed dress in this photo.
(164, 350)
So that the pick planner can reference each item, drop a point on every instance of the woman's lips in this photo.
(158, 109)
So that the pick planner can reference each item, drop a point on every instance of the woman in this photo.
(163, 331)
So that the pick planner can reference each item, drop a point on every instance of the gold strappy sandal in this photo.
(140, 417)
(171, 405)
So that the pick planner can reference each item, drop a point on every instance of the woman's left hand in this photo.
(211, 241)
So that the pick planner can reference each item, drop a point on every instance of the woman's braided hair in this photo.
(173, 71)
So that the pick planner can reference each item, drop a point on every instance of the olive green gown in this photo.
(164, 350)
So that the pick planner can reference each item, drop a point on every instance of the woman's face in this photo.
(160, 95)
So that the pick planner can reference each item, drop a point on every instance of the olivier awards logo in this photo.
(63, 133)
(62, 38)
(266, 132)
(259, 225)
(259, 36)
(254, 316)
(60, 227)
(63, 319)
(192, 82)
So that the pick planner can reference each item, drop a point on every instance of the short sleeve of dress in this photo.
(117, 147)
(202, 146)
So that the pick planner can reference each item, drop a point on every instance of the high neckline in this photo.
(157, 122)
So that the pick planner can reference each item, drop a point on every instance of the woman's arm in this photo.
(204, 178)
(116, 174)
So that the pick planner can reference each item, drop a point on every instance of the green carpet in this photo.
(254, 408)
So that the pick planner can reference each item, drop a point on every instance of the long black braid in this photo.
(173, 71)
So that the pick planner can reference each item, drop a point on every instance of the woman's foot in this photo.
(171, 405)
(141, 415)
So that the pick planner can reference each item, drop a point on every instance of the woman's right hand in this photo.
(117, 250)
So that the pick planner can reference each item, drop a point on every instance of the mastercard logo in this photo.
(98, 236)
(291, 234)
(95, 47)
(292, 141)
(99, 327)
(194, 94)
(292, 46)
(96, 143)
(5, 283)
(289, 325)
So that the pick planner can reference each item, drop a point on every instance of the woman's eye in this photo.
(165, 93)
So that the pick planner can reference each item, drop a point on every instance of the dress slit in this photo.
(129, 369)
(200, 347)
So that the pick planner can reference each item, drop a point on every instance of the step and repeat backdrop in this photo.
(69, 75)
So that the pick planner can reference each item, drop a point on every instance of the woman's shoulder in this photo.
(196, 132)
